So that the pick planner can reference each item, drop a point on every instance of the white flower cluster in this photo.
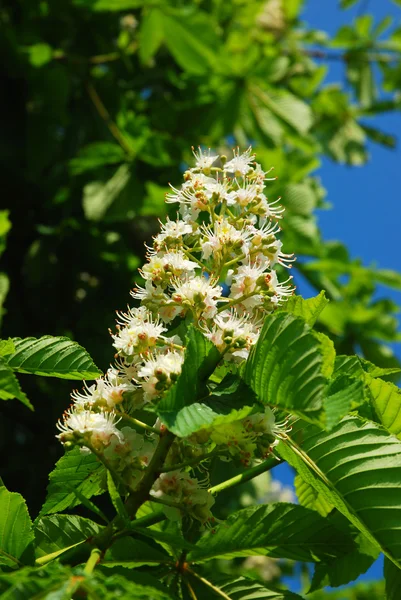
(214, 266)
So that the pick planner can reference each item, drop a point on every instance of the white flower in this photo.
(245, 279)
(131, 453)
(223, 238)
(269, 210)
(159, 372)
(179, 487)
(234, 333)
(241, 163)
(244, 195)
(157, 301)
(171, 231)
(204, 160)
(137, 338)
(279, 291)
(217, 190)
(84, 425)
(161, 268)
(198, 294)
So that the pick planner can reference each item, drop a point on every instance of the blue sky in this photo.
(366, 213)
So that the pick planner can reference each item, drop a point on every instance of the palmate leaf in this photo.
(201, 358)
(74, 470)
(357, 468)
(16, 534)
(342, 394)
(279, 530)
(383, 396)
(134, 552)
(30, 583)
(392, 577)
(386, 400)
(61, 583)
(230, 401)
(285, 368)
(308, 309)
(310, 498)
(9, 385)
(343, 569)
(52, 357)
(58, 533)
(102, 585)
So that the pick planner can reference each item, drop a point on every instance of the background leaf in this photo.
(74, 470)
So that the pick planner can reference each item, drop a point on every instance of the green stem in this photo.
(92, 561)
(245, 475)
(200, 263)
(209, 584)
(190, 590)
(137, 423)
(235, 301)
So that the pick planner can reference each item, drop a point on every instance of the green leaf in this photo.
(187, 37)
(300, 198)
(310, 498)
(116, 500)
(346, 568)
(74, 470)
(6, 347)
(16, 534)
(133, 552)
(29, 583)
(279, 530)
(5, 226)
(386, 399)
(4, 287)
(99, 196)
(284, 369)
(201, 358)
(309, 309)
(151, 34)
(230, 401)
(40, 54)
(52, 357)
(133, 586)
(56, 534)
(348, 3)
(9, 385)
(328, 353)
(108, 5)
(287, 106)
(249, 589)
(96, 155)
(343, 393)
(392, 576)
(357, 468)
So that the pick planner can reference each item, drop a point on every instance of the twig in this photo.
(137, 423)
(105, 115)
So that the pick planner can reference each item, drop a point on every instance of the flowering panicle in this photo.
(213, 265)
